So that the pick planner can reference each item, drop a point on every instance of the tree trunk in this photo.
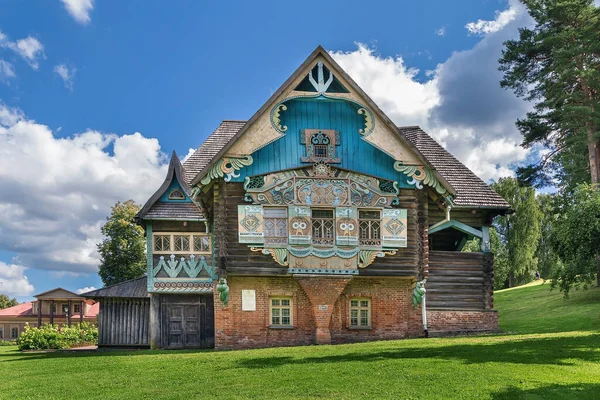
(594, 150)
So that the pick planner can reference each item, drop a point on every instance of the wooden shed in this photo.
(124, 317)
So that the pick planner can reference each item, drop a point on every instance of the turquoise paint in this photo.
(174, 185)
(149, 260)
(459, 226)
(320, 113)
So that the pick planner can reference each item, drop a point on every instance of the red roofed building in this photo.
(58, 306)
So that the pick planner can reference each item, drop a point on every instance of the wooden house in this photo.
(312, 223)
(57, 306)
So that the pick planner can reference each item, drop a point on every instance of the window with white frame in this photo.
(360, 313)
(281, 311)
(1, 332)
(14, 333)
(369, 231)
(181, 243)
(276, 225)
(76, 308)
(323, 226)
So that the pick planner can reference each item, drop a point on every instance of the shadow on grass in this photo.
(577, 391)
(556, 351)
(553, 351)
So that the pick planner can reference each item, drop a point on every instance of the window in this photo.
(53, 308)
(281, 311)
(76, 308)
(360, 313)
(14, 333)
(162, 243)
(320, 145)
(369, 228)
(322, 227)
(1, 333)
(276, 225)
(201, 244)
(176, 194)
(181, 243)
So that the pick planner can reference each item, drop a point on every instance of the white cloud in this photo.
(55, 193)
(66, 74)
(460, 104)
(188, 155)
(85, 289)
(441, 31)
(30, 49)
(13, 281)
(502, 18)
(7, 70)
(391, 84)
(79, 9)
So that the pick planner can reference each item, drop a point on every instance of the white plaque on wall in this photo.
(248, 300)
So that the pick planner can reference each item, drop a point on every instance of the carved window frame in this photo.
(176, 194)
(371, 225)
(320, 226)
(280, 233)
(333, 138)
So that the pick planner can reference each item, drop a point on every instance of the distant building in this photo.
(57, 306)
(324, 217)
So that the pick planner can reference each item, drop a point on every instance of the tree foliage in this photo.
(549, 261)
(577, 235)
(556, 65)
(520, 232)
(6, 301)
(500, 251)
(123, 249)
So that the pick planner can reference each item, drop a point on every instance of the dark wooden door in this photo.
(188, 321)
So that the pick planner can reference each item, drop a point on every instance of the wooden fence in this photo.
(123, 322)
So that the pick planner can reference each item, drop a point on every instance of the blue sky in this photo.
(95, 93)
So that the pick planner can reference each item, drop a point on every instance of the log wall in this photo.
(460, 281)
(123, 322)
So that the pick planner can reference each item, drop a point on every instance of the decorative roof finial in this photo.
(321, 86)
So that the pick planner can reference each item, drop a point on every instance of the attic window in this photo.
(176, 194)
(320, 145)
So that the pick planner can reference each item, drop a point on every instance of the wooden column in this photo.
(40, 302)
(69, 305)
(51, 312)
(81, 312)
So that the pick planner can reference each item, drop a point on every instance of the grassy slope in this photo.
(548, 365)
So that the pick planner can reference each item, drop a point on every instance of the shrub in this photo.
(52, 337)
(6, 343)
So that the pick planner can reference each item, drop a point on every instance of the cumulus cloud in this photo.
(461, 104)
(7, 70)
(79, 9)
(85, 289)
(13, 281)
(30, 49)
(501, 20)
(55, 193)
(67, 74)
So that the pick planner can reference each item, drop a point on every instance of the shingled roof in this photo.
(134, 288)
(211, 146)
(471, 191)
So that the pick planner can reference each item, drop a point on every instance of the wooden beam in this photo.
(51, 312)
(81, 312)
(40, 302)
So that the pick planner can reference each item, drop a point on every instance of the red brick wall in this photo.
(237, 329)
(448, 322)
(392, 313)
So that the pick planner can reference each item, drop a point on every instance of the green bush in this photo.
(6, 343)
(52, 337)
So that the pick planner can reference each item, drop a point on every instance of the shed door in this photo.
(188, 322)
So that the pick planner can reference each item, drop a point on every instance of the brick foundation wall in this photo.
(392, 313)
(442, 322)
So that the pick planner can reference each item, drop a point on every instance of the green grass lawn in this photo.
(561, 362)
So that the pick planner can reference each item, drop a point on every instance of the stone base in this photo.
(454, 322)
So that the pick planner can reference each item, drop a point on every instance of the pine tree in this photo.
(123, 249)
(556, 65)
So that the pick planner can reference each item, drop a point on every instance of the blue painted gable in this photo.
(174, 186)
(355, 153)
